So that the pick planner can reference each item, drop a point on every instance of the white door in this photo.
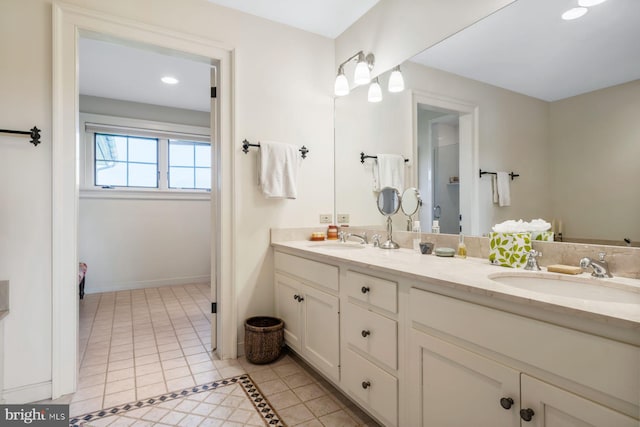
(544, 405)
(453, 387)
(321, 338)
(289, 309)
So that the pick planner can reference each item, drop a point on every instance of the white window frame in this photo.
(90, 124)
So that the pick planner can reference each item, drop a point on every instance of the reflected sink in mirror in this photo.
(337, 245)
(575, 287)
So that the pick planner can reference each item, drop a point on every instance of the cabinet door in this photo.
(289, 309)
(321, 343)
(453, 387)
(554, 407)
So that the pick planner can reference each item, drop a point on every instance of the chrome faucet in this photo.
(532, 260)
(345, 236)
(376, 240)
(600, 267)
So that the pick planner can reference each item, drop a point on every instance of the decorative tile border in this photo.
(260, 402)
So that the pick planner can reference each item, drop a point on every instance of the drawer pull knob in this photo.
(365, 333)
(300, 299)
(365, 289)
(506, 402)
(526, 414)
(366, 384)
(296, 297)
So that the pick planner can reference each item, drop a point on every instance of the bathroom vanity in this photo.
(418, 340)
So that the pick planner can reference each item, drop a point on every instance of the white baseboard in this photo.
(94, 288)
(28, 393)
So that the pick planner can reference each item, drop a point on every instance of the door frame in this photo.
(469, 153)
(68, 22)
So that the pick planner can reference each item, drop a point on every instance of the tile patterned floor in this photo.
(140, 344)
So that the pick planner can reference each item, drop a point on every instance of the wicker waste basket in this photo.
(263, 338)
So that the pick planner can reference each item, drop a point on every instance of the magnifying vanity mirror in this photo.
(389, 202)
(410, 204)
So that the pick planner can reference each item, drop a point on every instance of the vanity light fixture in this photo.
(375, 92)
(574, 13)
(361, 76)
(589, 3)
(169, 80)
(396, 81)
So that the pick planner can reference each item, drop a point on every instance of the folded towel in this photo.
(504, 191)
(278, 164)
(390, 171)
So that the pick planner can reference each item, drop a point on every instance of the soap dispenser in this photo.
(462, 248)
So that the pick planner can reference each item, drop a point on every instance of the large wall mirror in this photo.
(557, 102)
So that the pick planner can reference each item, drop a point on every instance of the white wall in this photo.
(132, 243)
(595, 140)
(283, 86)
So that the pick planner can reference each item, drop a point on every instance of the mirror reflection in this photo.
(576, 152)
(388, 205)
(410, 204)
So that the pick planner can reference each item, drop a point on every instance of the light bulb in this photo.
(169, 80)
(574, 13)
(362, 75)
(375, 92)
(396, 81)
(341, 86)
(589, 3)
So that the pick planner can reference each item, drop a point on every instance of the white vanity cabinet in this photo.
(307, 302)
(370, 343)
(460, 384)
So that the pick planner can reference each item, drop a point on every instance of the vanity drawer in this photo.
(372, 333)
(324, 275)
(605, 365)
(373, 290)
(376, 390)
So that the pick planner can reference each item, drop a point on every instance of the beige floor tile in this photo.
(263, 375)
(188, 351)
(322, 406)
(88, 393)
(284, 399)
(191, 420)
(180, 383)
(145, 351)
(91, 380)
(296, 380)
(150, 390)
(222, 412)
(120, 364)
(296, 414)
(120, 374)
(84, 406)
(198, 358)
(172, 418)
(148, 369)
(170, 374)
(308, 392)
(231, 371)
(311, 423)
(143, 380)
(168, 347)
(120, 385)
(207, 377)
(174, 363)
(272, 387)
(287, 370)
(145, 360)
(203, 409)
(338, 419)
(202, 367)
(119, 398)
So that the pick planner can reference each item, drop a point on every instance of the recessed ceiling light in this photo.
(574, 13)
(169, 80)
(589, 3)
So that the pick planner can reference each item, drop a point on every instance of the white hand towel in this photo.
(391, 171)
(504, 189)
(494, 188)
(278, 169)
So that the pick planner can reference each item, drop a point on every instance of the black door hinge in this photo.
(214, 92)
(214, 308)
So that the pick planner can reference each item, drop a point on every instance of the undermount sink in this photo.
(575, 287)
(337, 245)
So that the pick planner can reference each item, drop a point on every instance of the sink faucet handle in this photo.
(376, 240)
(601, 255)
(535, 254)
(342, 236)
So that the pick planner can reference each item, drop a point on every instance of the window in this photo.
(125, 161)
(135, 158)
(189, 165)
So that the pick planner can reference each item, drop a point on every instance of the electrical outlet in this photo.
(326, 218)
(343, 218)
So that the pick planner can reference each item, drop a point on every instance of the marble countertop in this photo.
(472, 275)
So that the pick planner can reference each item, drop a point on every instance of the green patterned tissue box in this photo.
(509, 249)
(545, 236)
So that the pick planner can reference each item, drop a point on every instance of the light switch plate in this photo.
(326, 218)
(343, 218)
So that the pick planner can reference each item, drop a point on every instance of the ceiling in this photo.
(527, 48)
(328, 18)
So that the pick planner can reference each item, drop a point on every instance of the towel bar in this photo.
(246, 144)
(34, 133)
(511, 174)
(364, 156)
